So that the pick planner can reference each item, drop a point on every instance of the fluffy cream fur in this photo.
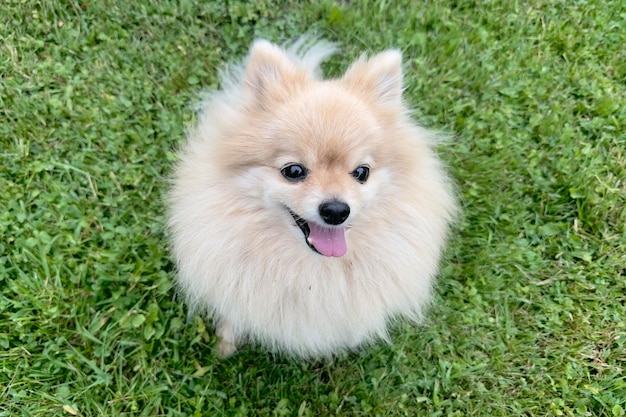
(244, 262)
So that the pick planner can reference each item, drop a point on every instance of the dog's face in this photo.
(313, 152)
(326, 169)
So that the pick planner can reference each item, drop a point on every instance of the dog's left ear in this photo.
(379, 77)
(270, 74)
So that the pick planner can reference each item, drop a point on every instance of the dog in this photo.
(307, 213)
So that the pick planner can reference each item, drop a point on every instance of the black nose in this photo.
(334, 212)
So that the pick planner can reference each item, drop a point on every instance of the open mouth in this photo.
(327, 241)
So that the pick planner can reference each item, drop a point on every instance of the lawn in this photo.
(530, 313)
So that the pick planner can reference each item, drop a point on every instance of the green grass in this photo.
(530, 317)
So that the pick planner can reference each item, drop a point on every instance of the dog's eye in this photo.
(361, 173)
(294, 172)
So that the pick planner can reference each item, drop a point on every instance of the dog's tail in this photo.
(306, 52)
(309, 52)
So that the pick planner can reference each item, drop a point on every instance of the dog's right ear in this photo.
(270, 74)
(378, 79)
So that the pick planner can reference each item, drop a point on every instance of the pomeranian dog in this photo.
(306, 214)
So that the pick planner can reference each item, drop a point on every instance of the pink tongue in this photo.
(328, 241)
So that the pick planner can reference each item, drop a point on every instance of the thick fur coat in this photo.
(306, 213)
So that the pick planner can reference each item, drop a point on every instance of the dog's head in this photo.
(317, 152)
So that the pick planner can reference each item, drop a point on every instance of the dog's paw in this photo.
(226, 345)
(225, 349)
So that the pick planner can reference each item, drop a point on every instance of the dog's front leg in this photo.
(227, 344)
